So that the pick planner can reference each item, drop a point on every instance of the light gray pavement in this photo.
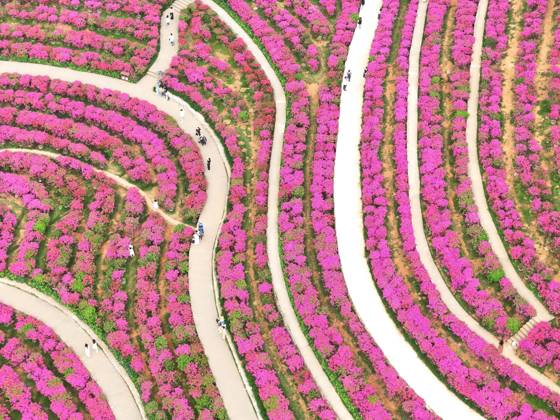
(121, 394)
(350, 235)
(415, 202)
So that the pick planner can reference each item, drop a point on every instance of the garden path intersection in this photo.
(224, 362)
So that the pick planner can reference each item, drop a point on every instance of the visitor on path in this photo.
(363, 2)
(155, 205)
(87, 350)
(201, 230)
(167, 20)
(348, 75)
(501, 344)
(131, 250)
(360, 22)
(171, 15)
(197, 131)
(195, 239)
(181, 113)
(344, 87)
(171, 39)
(202, 140)
(208, 162)
(365, 72)
(94, 345)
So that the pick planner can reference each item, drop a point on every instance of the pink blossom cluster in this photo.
(195, 71)
(541, 347)
(56, 373)
(104, 126)
(499, 192)
(8, 222)
(107, 37)
(18, 395)
(553, 98)
(483, 376)
(329, 340)
(529, 169)
(433, 183)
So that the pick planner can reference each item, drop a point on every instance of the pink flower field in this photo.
(102, 195)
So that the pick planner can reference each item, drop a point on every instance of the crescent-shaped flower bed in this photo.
(40, 376)
(116, 38)
(541, 348)
(216, 73)
(500, 193)
(71, 236)
(469, 366)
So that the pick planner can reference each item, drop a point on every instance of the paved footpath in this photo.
(476, 178)
(415, 200)
(350, 236)
(117, 387)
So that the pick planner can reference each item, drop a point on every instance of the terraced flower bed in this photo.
(541, 348)
(97, 244)
(40, 377)
(114, 38)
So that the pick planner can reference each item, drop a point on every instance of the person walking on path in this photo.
(360, 22)
(202, 140)
(197, 131)
(94, 345)
(171, 15)
(365, 72)
(344, 87)
(208, 162)
(155, 205)
(87, 350)
(167, 20)
(131, 251)
(181, 113)
(348, 75)
(201, 229)
(171, 39)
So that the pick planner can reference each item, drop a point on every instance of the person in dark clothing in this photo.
(171, 14)
(360, 21)
(202, 140)
(208, 163)
(197, 131)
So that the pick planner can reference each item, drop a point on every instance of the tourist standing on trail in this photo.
(182, 113)
(360, 22)
(171, 39)
(87, 350)
(167, 20)
(208, 162)
(202, 140)
(95, 346)
(131, 250)
(197, 131)
(155, 205)
(171, 15)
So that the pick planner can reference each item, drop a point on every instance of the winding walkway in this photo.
(475, 175)
(350, 236)
(422, 245)
(273, 243)
(121, 394)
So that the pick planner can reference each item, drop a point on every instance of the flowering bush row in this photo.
(499, 193)
(445, 240)
(235, 95)
(469, 366)
(139, 303)
(312, 266)
(107, 37)
(32, 354)
(107, 129)
(541, 348)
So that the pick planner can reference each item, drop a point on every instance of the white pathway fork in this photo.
(350, 236)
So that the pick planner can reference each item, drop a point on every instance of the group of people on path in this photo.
(199, 234)
(168, 18)
(348, 75)
(88, 349)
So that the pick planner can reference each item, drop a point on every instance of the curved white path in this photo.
(476, 178)
(121, 394)
(350, 236)
(280, 289)
(228, 377)
(416, 210)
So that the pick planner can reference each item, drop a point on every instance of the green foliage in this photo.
(244, 116)
(460, 113)
(495, 276)
(298, 192)
(41, 224)
(160, 343)
(203, 402)
(513, 324)
(545, 107)
(77, 284)
(87, 312)
(183, 360)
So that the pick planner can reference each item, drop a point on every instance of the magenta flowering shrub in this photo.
(109, 130)
(100, 36)
(470, 367)
(36, 366)
(236, 97)
(541, 348)
(445, 240)
(499, 193)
